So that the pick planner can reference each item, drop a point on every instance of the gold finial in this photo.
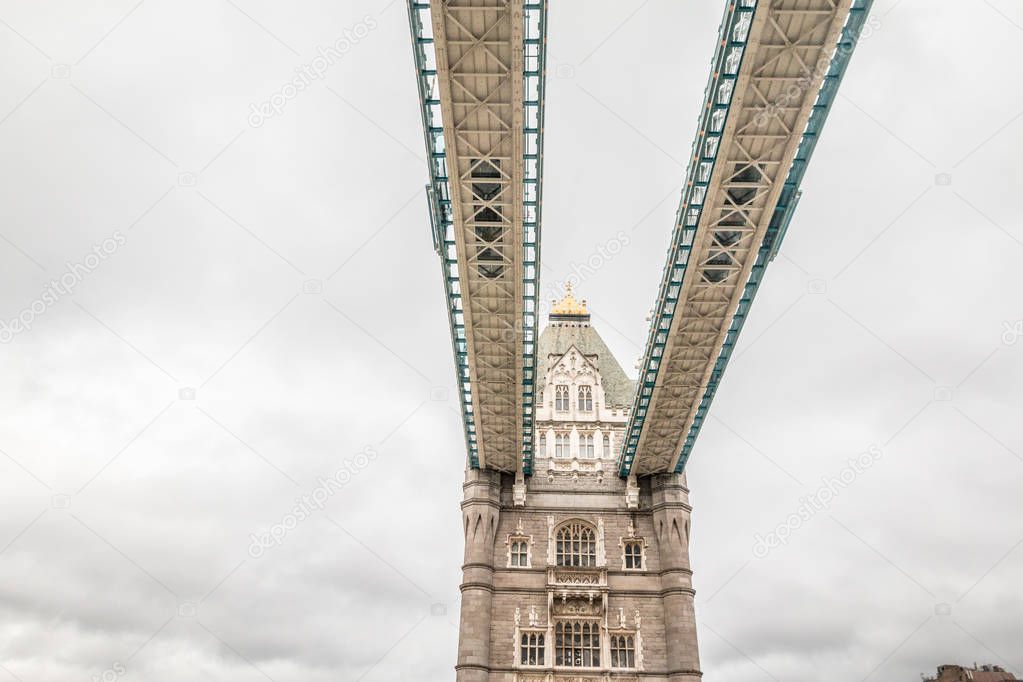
(568, 305)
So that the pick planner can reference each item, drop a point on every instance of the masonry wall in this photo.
(660, 594)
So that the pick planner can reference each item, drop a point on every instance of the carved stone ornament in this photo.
(519, 490)
(576, 607)
(577, 578)
(632, 492)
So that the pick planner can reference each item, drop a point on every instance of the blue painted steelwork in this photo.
(441, 218)
(732, 36)
(688, 218)
(534, 86)
(783, 211)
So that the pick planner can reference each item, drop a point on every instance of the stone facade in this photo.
(573, 574)
(958, 673)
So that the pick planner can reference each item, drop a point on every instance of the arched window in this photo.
(542, 447)
(586, 446)
(561, 398)
(577, 644)
(623, 651)
(561, 445)
(607, 446)
(585, 399)
(532, 648)
(633, 554)
(576, 545)
(519, 553)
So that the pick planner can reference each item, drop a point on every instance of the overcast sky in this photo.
(254, 302)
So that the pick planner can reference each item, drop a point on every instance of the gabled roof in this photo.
(557, 339)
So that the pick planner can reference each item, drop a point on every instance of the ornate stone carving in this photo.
(577, 578)
(519, 490)
(632, 492)
(577, 607)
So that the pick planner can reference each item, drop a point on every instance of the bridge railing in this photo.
(732, 36)
(728, 57)
(534, 87)
(438, 193)
(784, 209)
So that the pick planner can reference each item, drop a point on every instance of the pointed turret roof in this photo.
(568, 326)
(568, 309)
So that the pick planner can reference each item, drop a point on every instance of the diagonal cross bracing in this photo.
(776, 70)
(480, 67)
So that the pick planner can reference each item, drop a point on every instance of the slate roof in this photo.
(556, 339)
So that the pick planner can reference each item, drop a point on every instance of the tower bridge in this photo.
(575, 510)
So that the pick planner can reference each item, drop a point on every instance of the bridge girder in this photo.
(480, 67)
(776, 70)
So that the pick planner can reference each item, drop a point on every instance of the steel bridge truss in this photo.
(775, 74)
(480, 66)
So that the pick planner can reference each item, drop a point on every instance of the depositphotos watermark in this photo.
(315, 70)
(62, 286)
(816, 502)
(598, 258)
(313, 501)
(795, 91)
(110, 674)
(1012, 332)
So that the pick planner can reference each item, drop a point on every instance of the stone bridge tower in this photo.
(575, 575)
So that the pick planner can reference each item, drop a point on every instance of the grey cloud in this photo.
(204, 287)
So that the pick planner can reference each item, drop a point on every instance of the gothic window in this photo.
(542, 449)
(633, 550)
(586, 446)
(607, 446)
(531, 648)
(561, 445)
(577, 644)
(623, 651)
(519, 555)
(561, 398)
(585, 399)
(576, 545)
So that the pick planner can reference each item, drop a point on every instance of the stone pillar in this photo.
(671, 513)
(480, 509)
